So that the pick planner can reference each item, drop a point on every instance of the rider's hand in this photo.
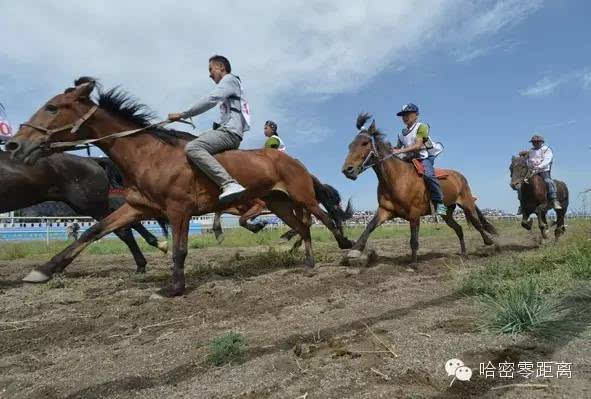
(175, 116)
(396, 150)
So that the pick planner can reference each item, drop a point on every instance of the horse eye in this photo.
(51, 108)
(365, 144)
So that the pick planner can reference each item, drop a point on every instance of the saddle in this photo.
(439, 173)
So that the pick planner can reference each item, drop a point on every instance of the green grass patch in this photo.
(527, 292)
(226, 348)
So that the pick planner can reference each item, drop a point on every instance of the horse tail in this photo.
(486, 225)
(330, 198)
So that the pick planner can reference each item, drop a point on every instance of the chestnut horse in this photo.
(160, 180)
(403, 193)
(534, 197)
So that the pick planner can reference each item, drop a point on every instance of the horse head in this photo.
(59, 119)
(362, 150)
(518, 171)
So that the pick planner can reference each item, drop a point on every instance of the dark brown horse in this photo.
(403, 193)
(82, 183)
(160, 180)
(534, 197)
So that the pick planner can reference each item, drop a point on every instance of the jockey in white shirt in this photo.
(539, 160)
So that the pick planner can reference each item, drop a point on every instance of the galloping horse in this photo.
(80, 182)
(403, 193)
(160, 181)
(534, 197)
(258, 207)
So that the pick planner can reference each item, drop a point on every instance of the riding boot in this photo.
(556, 204)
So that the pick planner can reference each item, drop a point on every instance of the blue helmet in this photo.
(406, 108)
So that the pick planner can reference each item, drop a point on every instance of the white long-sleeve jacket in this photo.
(540, 160)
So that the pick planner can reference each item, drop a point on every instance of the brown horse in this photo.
(161, 182)
(403, 193)
(534, 197)
(258, 207)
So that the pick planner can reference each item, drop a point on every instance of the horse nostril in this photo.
(12, 146)
(348, 169)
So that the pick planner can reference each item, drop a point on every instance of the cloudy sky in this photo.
(486, 74)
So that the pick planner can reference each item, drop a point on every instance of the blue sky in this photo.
(486, 75)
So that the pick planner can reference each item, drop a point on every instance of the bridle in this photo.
(74, 127)
(373, 153)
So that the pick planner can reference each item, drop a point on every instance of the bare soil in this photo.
(94, 332)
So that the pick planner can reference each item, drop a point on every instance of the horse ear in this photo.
(84, 90)
(372, 127)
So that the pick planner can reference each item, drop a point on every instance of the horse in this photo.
(160, 180)
(258, 207)
(403, 193)
(78, 181)
(534, 197)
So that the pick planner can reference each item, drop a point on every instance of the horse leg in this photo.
(120, 218)
(150, 238)
(559, 230)
(526, 222)
(414, 239)
(180, 238)
(344, 242)
(380, 217)
(542, 223)
(217, 227)
(126, 235)
(252, 213)
(305, 217)
(449, 219)
(285, 211)
(472, 216)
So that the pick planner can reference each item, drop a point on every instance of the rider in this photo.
(412, 141)
(539, 161)
(273, 139)
(225, 135)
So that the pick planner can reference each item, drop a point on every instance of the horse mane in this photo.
(122, 104)
(362, 119)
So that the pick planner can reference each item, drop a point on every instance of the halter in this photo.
(373, 152)
(74, 127)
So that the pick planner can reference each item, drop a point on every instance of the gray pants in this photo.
(201, 150)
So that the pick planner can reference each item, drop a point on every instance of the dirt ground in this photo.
(94, 333)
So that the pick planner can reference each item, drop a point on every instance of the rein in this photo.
(74, 127)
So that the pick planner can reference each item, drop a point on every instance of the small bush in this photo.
(520, 308)
(226, 348)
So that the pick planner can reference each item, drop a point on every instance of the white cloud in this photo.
(544, 86)
(547, 85)
(283, 50)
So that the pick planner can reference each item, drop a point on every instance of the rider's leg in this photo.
(433, 185)
(201, 150)
(551, 187)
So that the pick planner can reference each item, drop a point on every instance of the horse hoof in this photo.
(311, 262)
(353, 254)
(348, 244)
(163, 246)
(36, 276)
(168, 292)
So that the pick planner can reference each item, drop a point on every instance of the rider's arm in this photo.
(547, 159)
(422, 136)
(227, 87)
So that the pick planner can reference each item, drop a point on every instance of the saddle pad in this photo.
(439, 173)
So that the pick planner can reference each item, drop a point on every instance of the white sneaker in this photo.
(231, 192)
